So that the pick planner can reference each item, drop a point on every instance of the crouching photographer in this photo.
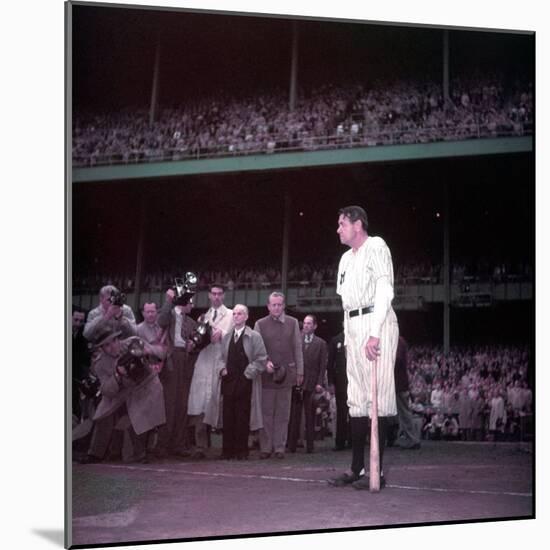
(131, 397)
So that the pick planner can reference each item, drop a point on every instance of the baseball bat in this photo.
(374, 467)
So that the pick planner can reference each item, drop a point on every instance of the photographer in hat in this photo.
(175, 320)
(129, 387)
(111, 312)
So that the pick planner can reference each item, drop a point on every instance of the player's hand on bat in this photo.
(372, 348)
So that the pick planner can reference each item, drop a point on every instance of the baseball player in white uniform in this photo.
(365, 284)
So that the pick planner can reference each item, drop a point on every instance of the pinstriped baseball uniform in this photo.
(365, 278)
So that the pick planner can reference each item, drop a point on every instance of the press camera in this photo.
(89, 386)
(117, 297)
(185, 288)
(134, 360)
(201, 335)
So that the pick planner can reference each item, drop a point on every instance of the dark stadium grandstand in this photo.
(331, 117)
(346, 91)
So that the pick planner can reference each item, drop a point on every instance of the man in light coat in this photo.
(243, 360)
(205, 378)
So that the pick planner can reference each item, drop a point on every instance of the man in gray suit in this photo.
(314, 350)
(284, 369)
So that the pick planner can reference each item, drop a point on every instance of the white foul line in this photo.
(323, 481)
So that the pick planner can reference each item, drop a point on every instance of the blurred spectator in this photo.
(80, 360)
(312, 275)
(497, 418)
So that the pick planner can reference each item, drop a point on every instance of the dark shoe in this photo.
(264, 455)
(182, 454)
(114, 457)
(414, 447)
(138, 459)
(160, 453)
(278, 454)
(344, 479)
(364, 483)
(90, 459)
(199, 455)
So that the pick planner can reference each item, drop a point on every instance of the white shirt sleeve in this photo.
(383, 294)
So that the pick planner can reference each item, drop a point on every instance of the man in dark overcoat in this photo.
(314, 351)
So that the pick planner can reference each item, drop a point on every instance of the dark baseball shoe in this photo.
(364, 483)
(344, 479)
(90, 459)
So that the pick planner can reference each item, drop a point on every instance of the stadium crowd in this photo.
(471, 394)
(331, 116)
(316, 274)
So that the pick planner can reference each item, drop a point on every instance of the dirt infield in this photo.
(169, 499)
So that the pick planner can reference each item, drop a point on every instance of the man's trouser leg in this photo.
(180, 436)
(268, 413)
(169, 379)
(406, 423)
(309, 411)
(343, 432)
(201, 432)
(229, 425)
(281, 417)
(139, 443)
(102, 435)
(383, 428)
(359, 431)
(295, 421)
(242, 422)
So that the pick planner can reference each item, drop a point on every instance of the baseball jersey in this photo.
(365, 278)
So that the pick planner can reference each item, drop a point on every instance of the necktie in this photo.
(236, 337)
(215, 315)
